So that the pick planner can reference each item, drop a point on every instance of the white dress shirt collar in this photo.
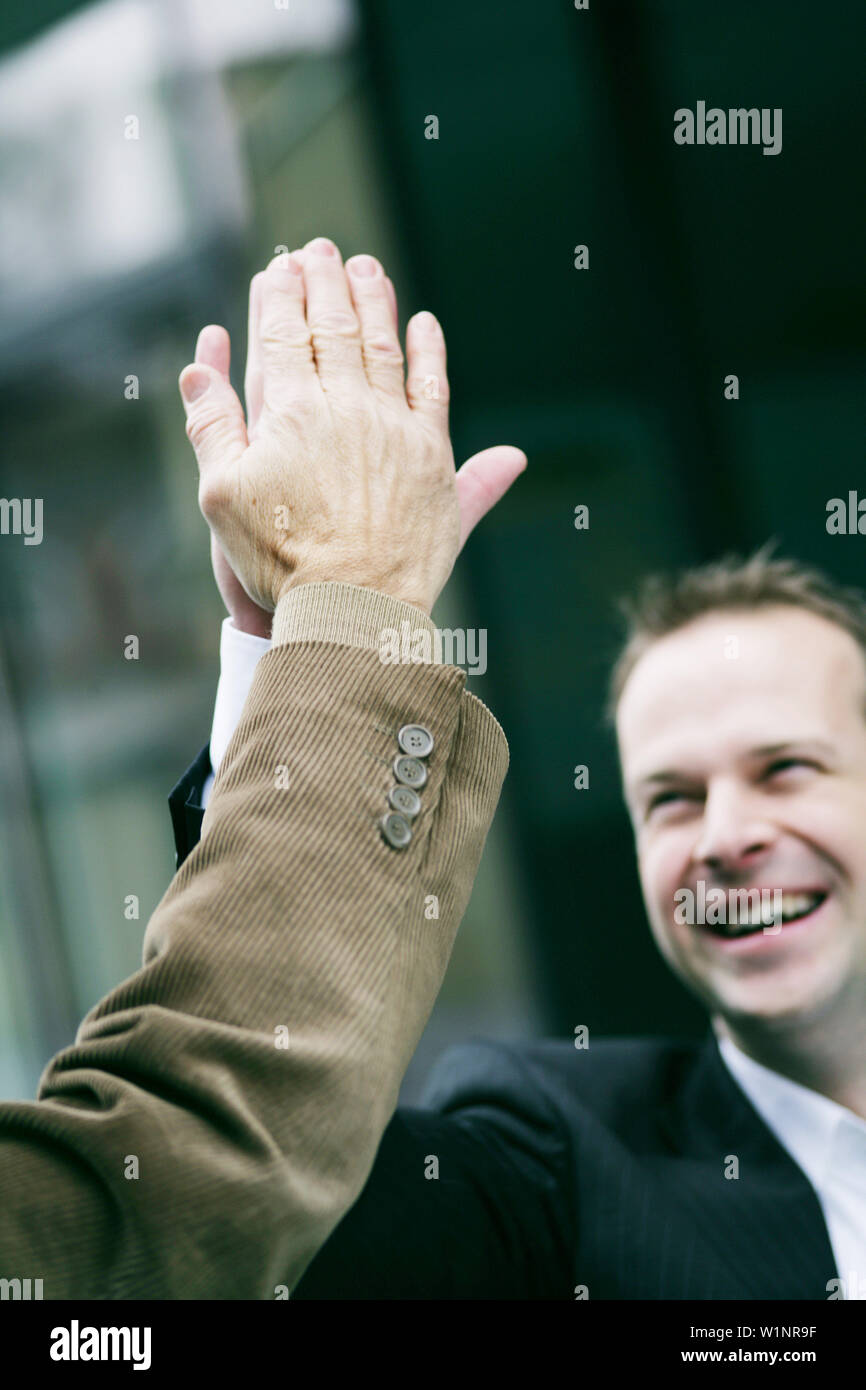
(817, 1132)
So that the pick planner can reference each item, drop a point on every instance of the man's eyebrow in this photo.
(666, 775)
(769, 750)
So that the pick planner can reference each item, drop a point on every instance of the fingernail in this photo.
(194, 385)
(427, 322)
(320, 246)
(363, 265)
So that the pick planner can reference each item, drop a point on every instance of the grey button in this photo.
(416, 740)
(404, 800)
(410, 772)
(396, 830)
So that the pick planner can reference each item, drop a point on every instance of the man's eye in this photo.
(666, 799)
(789, 765)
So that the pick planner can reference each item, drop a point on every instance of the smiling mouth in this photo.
(795, 906)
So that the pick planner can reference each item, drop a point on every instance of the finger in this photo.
(483, 479)
(392, 296)
(380, 346)
(331, 315)
(213, 348)
(214, 418)
(427, 379)
(253, 378)
(284, 342)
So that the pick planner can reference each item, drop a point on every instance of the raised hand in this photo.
(343, 469)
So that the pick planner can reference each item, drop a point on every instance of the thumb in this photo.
(215, 422)
(483, 479)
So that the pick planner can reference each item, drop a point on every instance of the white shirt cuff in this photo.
(240, 654)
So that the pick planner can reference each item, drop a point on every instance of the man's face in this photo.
(743, 746)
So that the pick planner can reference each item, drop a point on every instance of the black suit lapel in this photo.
(766, 1223)
(184, 803)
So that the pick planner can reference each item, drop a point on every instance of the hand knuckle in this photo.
(202, 420)
(337, 323)
(197, 427)
(281, 334)
(381, 348)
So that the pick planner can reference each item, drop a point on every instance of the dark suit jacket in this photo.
(538, 1171)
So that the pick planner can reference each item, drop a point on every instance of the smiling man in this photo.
(742, 734)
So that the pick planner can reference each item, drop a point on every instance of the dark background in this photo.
(555, 129)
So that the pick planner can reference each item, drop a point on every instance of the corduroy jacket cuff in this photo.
(354, 617)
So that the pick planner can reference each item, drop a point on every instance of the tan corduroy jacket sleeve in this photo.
(220, 1111)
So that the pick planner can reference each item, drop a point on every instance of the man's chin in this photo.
(777, 999)
(772, 1005)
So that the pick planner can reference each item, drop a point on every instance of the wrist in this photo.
(255, 622)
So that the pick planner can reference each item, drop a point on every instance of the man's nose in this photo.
(734, 831)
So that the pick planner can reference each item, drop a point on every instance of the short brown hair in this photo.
(662, 603)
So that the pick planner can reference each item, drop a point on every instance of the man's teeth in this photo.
(799, 904)
(750, 916)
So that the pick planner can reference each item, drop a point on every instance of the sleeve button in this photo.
(410, 772)
(415, 740)
(396, 830)
(404, 800)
